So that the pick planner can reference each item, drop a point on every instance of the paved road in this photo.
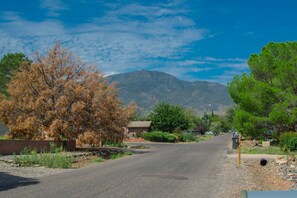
(166, 170)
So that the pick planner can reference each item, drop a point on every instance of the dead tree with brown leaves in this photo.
(58, 96)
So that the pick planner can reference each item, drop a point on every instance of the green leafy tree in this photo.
(167, 117)
(8, 65)
(192, 117)
(267, 97)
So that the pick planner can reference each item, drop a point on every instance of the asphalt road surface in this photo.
(165, 170)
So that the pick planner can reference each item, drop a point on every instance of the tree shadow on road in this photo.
(8, 181)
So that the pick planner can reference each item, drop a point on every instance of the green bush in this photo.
(292, 144)
(114, 144)
(54, 148)
(288, 141)
(188, 137)
(158, 136)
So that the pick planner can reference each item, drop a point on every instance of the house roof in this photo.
(135, 124)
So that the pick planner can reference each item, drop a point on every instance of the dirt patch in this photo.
(250, 175)
(83, 161)
(266, 177)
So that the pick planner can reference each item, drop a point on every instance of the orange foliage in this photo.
(58, 96)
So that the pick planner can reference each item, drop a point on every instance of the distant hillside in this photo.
(147, 88)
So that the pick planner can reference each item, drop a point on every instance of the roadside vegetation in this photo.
(97, 160)
(272, 150)
(118, 155)
(57, 158)
(56, 94)
(266, 107)
(173, 123)
(54, 158)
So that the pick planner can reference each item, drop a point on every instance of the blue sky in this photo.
(192, 40)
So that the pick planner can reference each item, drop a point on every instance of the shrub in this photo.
(188, 137)
(292, 144)
(51, 160)
(158, 136)
(54, 148)
(288, 141)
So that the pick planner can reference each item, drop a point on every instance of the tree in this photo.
(192, 117)
(267, 97)
(58, 96)
(167, 117)
(9, 64)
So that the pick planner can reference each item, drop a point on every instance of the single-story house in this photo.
(138, 127)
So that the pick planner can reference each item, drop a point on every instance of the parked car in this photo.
(208, 133)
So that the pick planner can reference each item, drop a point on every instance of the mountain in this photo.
(148, 88)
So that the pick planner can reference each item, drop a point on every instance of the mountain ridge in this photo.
(148, 88)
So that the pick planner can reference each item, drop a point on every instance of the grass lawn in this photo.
(204, 137)
(2, 137)
(273, 150)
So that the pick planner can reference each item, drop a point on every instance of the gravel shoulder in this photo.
(27, 172)
(250, 175)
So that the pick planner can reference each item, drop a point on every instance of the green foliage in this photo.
(118, 155)
(292, 144)
(167, 117)
(54, 148)
(51, 160)
(288, 141)
(187, 137)
(158, 136)
(267, 98)
(97, 160)
(128, 153)
(272, 150)
(248, 124)
(204, 137)
(114, 144)
(193, 119)
(8, 65)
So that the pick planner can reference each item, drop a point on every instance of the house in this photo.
(138, 127)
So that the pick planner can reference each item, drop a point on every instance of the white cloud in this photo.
(116, 42)
(10, 16)
(53, 7)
